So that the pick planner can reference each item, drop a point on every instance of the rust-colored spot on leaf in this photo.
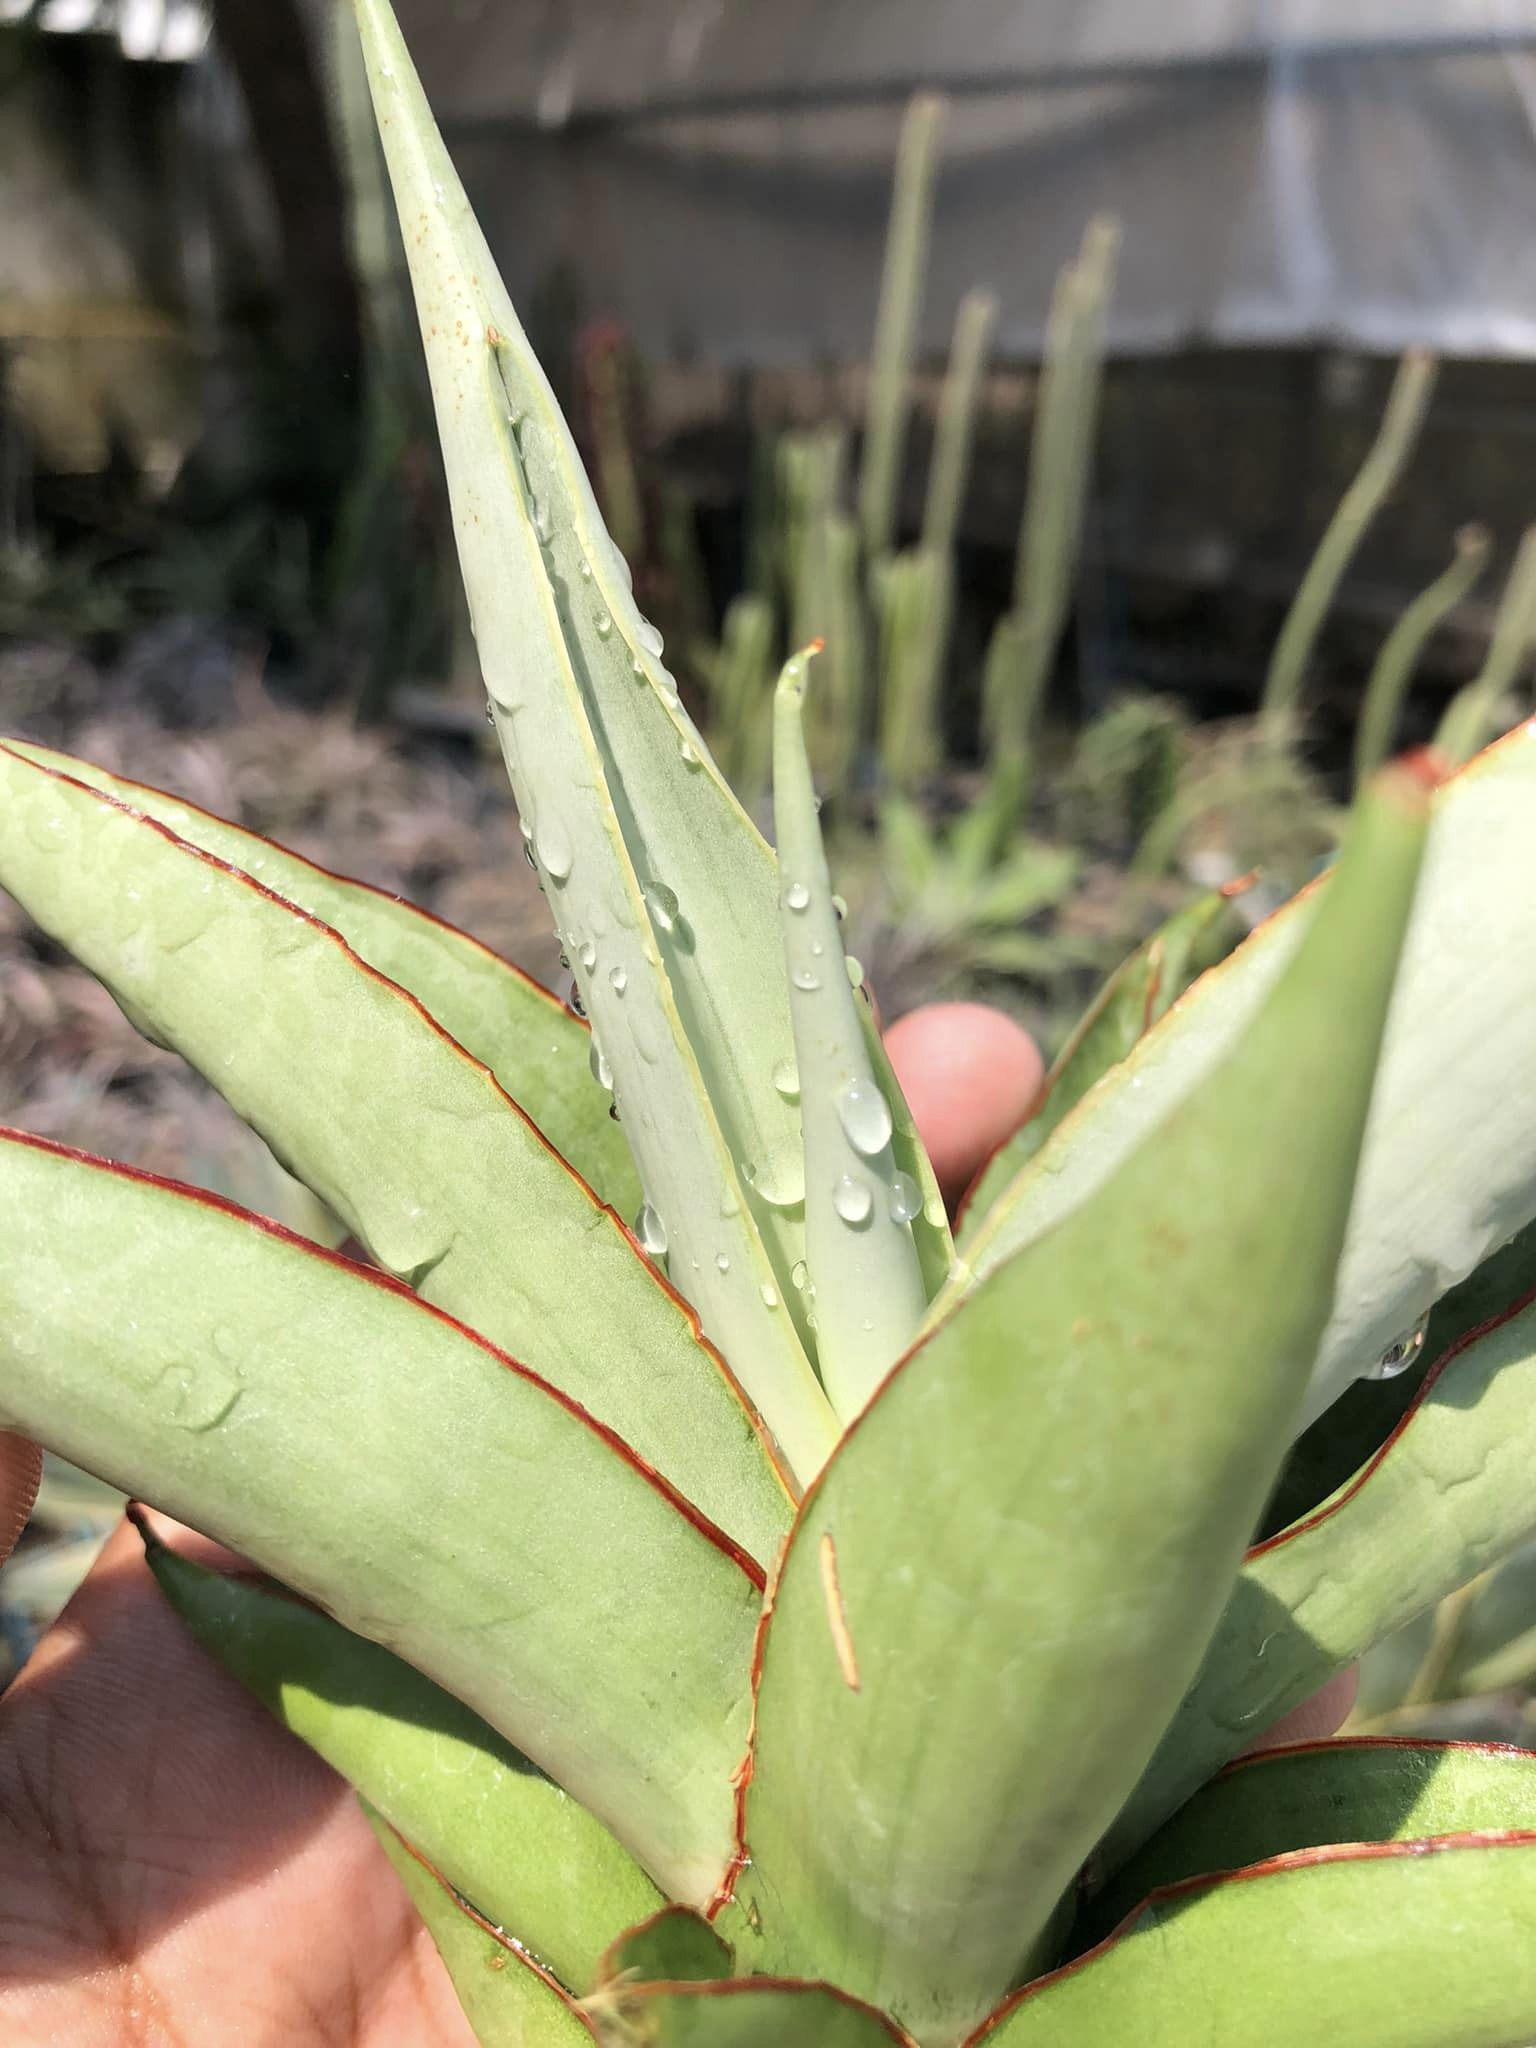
(837, 1619)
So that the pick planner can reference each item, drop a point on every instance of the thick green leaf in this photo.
(1348, 1435)
(1005, 1579)
(396, 1129)
(1321, 1793)
(672, 1946)
(1142, 989)
(749, 2014)
(1449, 1171)
(1448, 1497)
(507, 1999)
(859, 1210)
(1410, 1945)
(539, 1051)
(665, 896)
(500, 1832)
(383, 1461)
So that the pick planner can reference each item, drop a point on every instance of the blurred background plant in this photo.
(1131, 548)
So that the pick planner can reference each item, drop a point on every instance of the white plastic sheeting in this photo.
(716, 171)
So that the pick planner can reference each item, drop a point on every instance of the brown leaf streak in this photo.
(837, 1619)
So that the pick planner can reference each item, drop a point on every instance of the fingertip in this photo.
(1317, 1718)
(970, 1075)
(21, 1471)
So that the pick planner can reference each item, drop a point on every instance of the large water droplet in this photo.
(723, 1261)
(690, 754)
(804, 980)
(573, 1001)
(786, 1079)
(651, 1231)
(799, 1273)
(604, 625)
(781, 1184)
(840, 905)
(797, 896)
(587, 953)
(855, 971)
(618, 980)
(663, 905)
(852, 1199)
(865, 1116)
(906, 1198)
(597, 1060)
(584, 570)
(1401, 1352)
(770, 1295)
(650, 640)
(554, 850)
(543, 524)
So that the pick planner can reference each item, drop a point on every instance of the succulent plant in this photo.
(775, 1623)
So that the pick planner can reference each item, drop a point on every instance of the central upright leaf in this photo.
(664, 894)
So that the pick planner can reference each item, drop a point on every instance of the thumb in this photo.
(970, 1076)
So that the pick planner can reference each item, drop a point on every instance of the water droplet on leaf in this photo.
(554, 851)
(865, 1116)
(852, 1199)
(1401, 1352)
(906, 1198)
(663, 905)
(786, 1079)
(651, 1231)
(797, 896)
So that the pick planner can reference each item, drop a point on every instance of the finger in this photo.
(970, 1075)
(21, 1468)
(1315, 1719)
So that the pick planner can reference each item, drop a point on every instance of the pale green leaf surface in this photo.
(664, 895)
(380, 1460)
(501, 1833)
(864, 1267)
(1321, 1793)
(995, 1596)
(506, 2000)
(403, 1136)
(1449, 1170)
(1449, 1497)
(1140, 990)
(537, 1049)
(673, 1946)
(930, 1227)
(1348, 1435)
(1412, 1946)
(750, 2015)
